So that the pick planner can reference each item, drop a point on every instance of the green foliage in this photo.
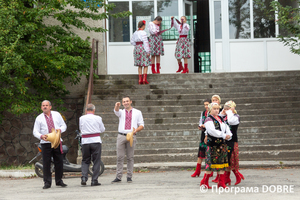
(288, 19)
(37, 59)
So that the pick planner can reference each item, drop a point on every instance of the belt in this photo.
(91, 135)
(182, 36)
(123, 134)
(137, 43)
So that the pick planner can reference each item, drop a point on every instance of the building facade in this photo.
(225, 36)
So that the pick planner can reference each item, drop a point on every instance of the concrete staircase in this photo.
(267, 102)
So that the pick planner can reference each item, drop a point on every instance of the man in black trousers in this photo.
(42, 126)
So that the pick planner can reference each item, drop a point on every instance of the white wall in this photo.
(120, 59)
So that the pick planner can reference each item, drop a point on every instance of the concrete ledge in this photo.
(164, 166)
(16, 173)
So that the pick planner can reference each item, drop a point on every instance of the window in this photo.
(239, 19)
(218, 19)
(119, 27)
(142, 10)
(166, 9)
(264, 27)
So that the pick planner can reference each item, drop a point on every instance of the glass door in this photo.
(188, 12)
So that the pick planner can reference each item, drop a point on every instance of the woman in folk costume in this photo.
(182, 50)
(216, 152)
(156, 44)
(141, 51)
(202, 145)
(230, 116)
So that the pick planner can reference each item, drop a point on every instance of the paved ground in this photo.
(258, 184)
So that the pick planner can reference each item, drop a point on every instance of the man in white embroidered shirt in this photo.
(42, 126)
(130, 120)
(91, 126)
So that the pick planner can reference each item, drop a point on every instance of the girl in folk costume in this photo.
(231, 117)
(216, 152)
(141, 51)
(156, 44)
(202, 145)
(182, 50)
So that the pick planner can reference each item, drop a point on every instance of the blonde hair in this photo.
(231, 104)
(211, 105)
(216, 96)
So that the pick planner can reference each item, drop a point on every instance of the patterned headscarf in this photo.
(216, 96)
(231, 104)
(211, 105)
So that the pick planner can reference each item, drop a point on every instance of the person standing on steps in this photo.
(156, 44)
(182, 50)
(216, 152)
(231, 117)
(42, 126)
(91, 126)
(202, 145)
(141, 51)
(130, 120)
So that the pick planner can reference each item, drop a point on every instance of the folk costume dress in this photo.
(141, 48)
(216, 151)
(155, 40)
(202, 145)
(182, 45)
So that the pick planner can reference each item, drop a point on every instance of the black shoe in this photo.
(83, 181)
(95, 183)
(46, 186)
(116, 181)
(61, 183)
(129, 180)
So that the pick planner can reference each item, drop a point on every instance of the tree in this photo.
(288, 19)
(36, 59)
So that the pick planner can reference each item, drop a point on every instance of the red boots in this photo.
(227, 178)
(186, 69)
(143, 80)
(153, 68)
(180, 68)
(197, 171)
(204, 181)
(216, 180)
(238, 176)
(157, 68)
(140, 79)
(222, 181)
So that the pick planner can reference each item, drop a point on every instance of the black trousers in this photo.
(91, 151)
(47, 153)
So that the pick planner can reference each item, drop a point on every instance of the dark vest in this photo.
(203, 120)
(233, 129)
(211, 140)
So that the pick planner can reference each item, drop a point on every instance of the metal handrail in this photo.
(92, 71)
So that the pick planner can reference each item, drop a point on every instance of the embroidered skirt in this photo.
(140, 56)
(202, 150)
(216, 155)
(183, 48)
(234, 158)
(156, 45)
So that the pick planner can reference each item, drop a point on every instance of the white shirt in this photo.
(185, 28)
(136, 121)
(41, 128)
(140, 36)
(153, 28)
(90, 124)
(232, 119)
(211, 130)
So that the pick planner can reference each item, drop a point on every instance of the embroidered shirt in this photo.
(136, 120)
(91, 124)
(184, 30)
(41, 127)
(211, 129)
(153, 28)
(140, 36)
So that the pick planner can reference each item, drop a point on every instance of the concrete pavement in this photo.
(157, 184)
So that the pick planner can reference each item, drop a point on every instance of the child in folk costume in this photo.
(230, 116)
(216, 152)
(141, 51)
(156, 44)
(202, 145)
(182, 50)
